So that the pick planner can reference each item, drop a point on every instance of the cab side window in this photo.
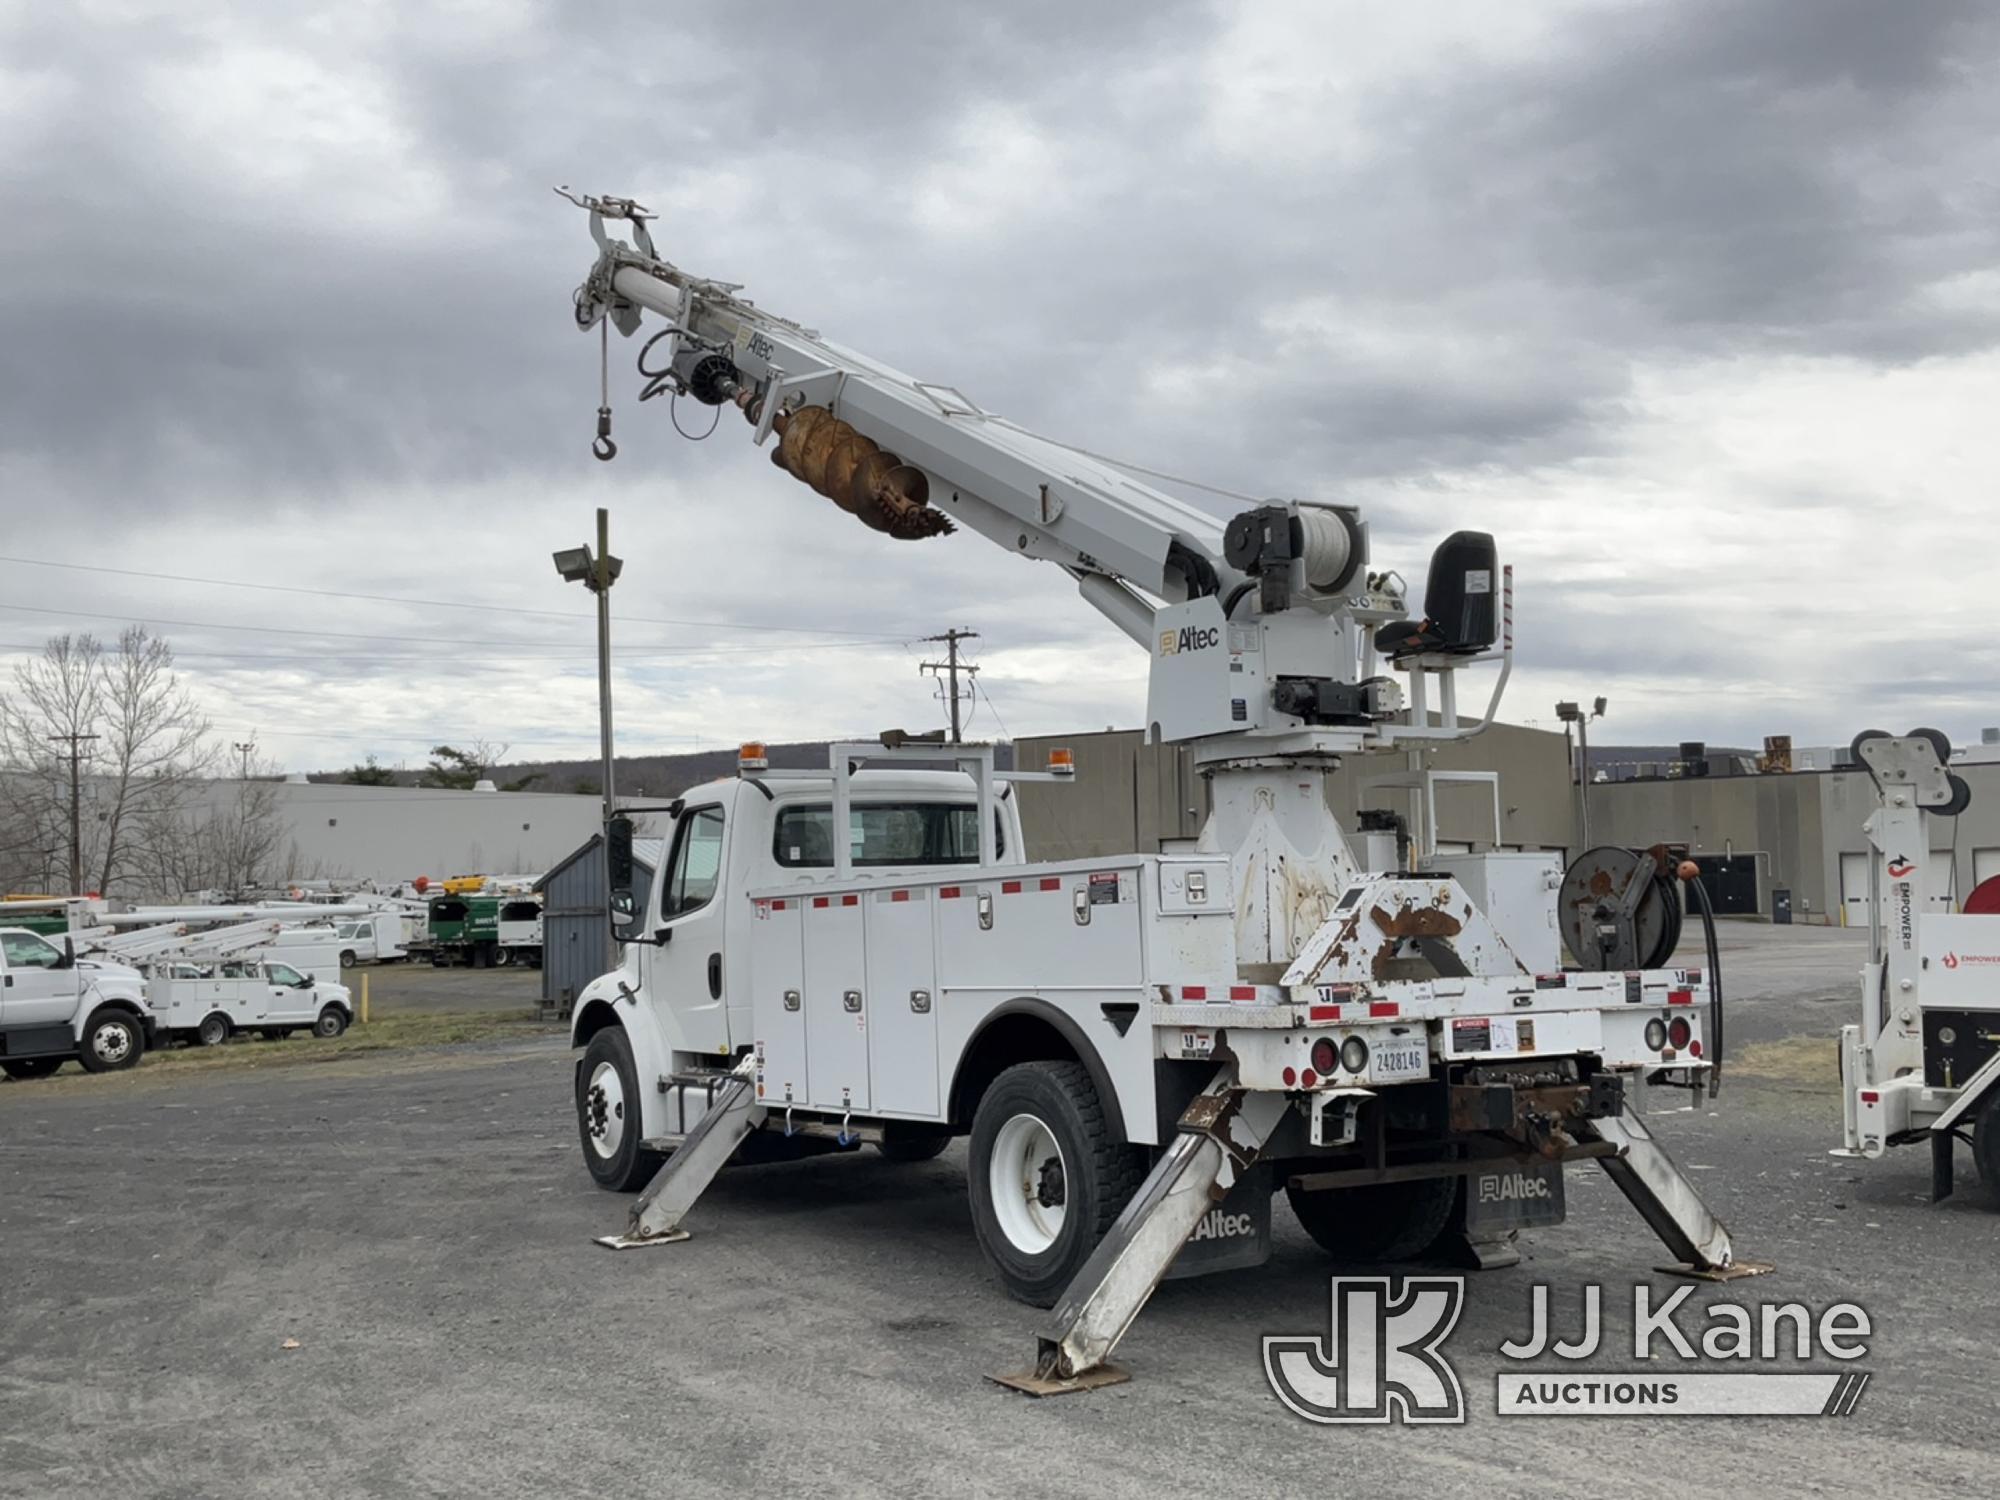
(697, 863)
(26, 951)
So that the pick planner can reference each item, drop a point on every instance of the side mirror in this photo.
(619, 878)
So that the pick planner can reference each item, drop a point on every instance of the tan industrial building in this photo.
(1787, 846)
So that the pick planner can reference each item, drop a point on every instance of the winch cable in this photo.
(1700, 894)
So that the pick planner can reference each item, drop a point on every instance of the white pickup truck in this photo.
(55, 1006)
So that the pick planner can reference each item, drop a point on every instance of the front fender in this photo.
(602, 1004)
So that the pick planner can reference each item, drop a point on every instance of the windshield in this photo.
(885, 833)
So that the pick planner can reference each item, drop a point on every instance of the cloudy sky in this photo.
(1695, 305)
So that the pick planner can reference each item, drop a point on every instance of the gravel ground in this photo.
(419, 1224)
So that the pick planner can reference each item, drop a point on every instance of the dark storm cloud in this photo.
(1711, 178)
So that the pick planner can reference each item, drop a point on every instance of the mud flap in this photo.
(1232, 1236)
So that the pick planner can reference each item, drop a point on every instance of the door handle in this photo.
(715, 976)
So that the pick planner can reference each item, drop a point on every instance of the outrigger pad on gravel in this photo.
(639, 1241)
(1031, 1384)
(1735, 1271)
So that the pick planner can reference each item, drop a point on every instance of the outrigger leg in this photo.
(1221, 1135)
(705, 1150)
(1668, 1203)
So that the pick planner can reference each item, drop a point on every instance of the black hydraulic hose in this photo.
(1700, 893)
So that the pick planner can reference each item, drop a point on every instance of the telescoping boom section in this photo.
(1140, 1050)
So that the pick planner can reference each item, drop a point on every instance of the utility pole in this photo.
(597, 571)
(75, 743)
(951, 667)
(244, 748)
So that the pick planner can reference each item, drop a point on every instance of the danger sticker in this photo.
(1471, 1034)
(1104, 888)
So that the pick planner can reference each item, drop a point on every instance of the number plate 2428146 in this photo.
(1395, 1061)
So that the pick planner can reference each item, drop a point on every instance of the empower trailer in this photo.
(1132, 1044)
(1923, 1064)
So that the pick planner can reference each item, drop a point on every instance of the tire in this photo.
(213, 1030)
(273, 1033)
(21, 1069)
(503, 958)
(915, 1146)
(1383, 1222)
(332, 1021)
(1986, 1146)
(1048, 1176)
(113, 1040)
(347, 958)
(607, 1114)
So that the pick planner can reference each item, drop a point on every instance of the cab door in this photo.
(684, 967)
(35, 988)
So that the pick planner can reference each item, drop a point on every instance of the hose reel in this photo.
(1621, 908)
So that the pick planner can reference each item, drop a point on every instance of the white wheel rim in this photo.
(111, 1042)
(604, 1111)
(1027, 1167)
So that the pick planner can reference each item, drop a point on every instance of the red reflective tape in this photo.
(1051, 882)
(1680, 997)
(1870, 1097)
(1384, 1008)
(850, 900)
(818, 902)
(1243, 992)
(1323, 1013)
(777, 906)
(1194, 992)
(947, 893)
(1010, 887)
(899, 895)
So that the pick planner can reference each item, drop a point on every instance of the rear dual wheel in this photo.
(24, 1068)
(1386, 1221)
(1048, 1176)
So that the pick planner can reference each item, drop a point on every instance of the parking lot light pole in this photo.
(1571, 713)
(597, 572)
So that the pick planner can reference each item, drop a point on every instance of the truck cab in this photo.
(55, 1006)
(686, 966)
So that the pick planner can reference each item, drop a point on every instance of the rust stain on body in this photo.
(1417, 922)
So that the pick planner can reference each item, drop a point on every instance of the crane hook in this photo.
(603, 447)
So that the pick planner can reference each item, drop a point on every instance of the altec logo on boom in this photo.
(1189, 638)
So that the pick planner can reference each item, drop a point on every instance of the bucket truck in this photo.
(1144, 1049)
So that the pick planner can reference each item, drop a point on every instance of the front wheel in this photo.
(24, 1068)
(1385, 1221)
(1986, 1145)
(1048, 1176)
(607, 1114)
(332, 1021)
(112, 1042)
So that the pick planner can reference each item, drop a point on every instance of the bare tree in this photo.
(49, 741)
(94, 743)
(232, 838)
(154, 746)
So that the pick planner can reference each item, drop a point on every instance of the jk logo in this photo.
(1379, 1360)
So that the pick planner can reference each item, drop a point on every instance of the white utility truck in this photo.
(1924, 1063)
(375, 938)
(520, 931)
(1143, 1048)
(205, 983)
(55, 1006)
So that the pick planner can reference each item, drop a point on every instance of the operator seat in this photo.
(1461, 603)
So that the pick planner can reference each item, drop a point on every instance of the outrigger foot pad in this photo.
(1029, 1383)
(640, 1241)
(1734, 1271)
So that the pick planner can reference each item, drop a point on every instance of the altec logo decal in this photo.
(1189, 638)
(1900, 868)
(1218, 1225)
(1511, 1187)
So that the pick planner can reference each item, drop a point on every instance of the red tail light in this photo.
(1678, 1031)
(1325, 1056)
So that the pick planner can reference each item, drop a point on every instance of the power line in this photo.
(509, 609)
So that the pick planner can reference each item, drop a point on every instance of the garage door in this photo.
(1854, 910)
